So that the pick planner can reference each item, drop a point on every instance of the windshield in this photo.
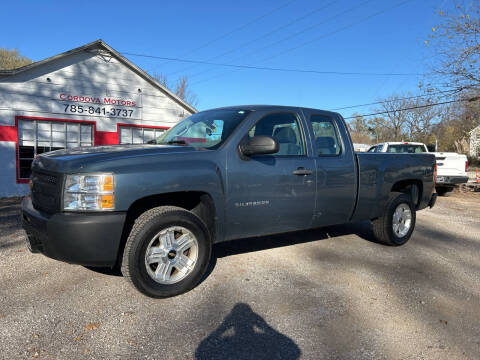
(206, 129)
(406, 148)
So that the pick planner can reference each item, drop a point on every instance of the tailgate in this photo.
(452, 164)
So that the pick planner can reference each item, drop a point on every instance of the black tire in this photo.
(146, 226)
(382, 226)
(444, 191)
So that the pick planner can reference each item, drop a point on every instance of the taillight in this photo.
(466, 166)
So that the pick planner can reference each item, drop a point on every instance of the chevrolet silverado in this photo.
(155, 210)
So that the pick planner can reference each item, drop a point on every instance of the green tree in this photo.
(11, 59)
(379, 129)
(359, 130)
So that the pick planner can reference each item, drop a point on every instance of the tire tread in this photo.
(381, 226)
(140, 222)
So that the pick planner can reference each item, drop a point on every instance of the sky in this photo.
(366, 36)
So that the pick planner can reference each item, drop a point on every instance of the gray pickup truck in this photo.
(155, 210)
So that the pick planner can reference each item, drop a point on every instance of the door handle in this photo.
(301, 171)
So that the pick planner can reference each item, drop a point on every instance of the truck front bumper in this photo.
(451, 180)
(77, 238)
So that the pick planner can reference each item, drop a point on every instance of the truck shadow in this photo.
(241, 246)
(244, 334)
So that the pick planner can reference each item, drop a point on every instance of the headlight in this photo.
(94, 192)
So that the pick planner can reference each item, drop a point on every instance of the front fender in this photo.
(154, 176)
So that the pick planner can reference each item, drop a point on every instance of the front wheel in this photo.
(398, 223)
(167, 252)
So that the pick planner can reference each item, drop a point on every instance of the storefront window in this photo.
(39, 136)
(139, 135)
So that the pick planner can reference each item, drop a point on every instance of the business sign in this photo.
(107, 106)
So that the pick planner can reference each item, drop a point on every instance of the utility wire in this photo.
(331, 18)
(324, 35)
(342, 28)
(308, 28)
(291, 49)
(253, 67)
(477, 98)
(241, 27)
(247, 43)
(404, 98)
(302, 31)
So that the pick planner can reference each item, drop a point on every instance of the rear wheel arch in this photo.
(411, 187)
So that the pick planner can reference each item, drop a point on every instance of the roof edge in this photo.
(117, 55)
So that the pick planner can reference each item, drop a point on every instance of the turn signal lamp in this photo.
(89, 192)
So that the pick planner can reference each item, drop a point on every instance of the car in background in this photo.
(451, 167)
(361, 147)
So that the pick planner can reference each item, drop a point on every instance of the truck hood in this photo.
(83, 156)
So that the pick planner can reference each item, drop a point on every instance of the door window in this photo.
(326, 135)
(283, 127)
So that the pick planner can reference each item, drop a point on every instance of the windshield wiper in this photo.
(174, 142)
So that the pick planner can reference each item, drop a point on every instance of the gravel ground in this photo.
(327, 293)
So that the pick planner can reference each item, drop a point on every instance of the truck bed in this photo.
(378, 172)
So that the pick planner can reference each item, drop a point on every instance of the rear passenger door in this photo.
(335, 168)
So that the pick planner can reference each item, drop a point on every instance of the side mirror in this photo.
(259, 145)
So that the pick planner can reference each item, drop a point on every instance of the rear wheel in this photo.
(167, 252)
(398, 223)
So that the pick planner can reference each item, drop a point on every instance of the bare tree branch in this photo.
(181, 88)
(11, 59)
(456, 45)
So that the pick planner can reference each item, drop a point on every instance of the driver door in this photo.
(271, 193)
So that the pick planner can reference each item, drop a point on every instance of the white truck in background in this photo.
(451, 167)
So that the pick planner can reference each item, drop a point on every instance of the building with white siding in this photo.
(475, 142)
(87, 96)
